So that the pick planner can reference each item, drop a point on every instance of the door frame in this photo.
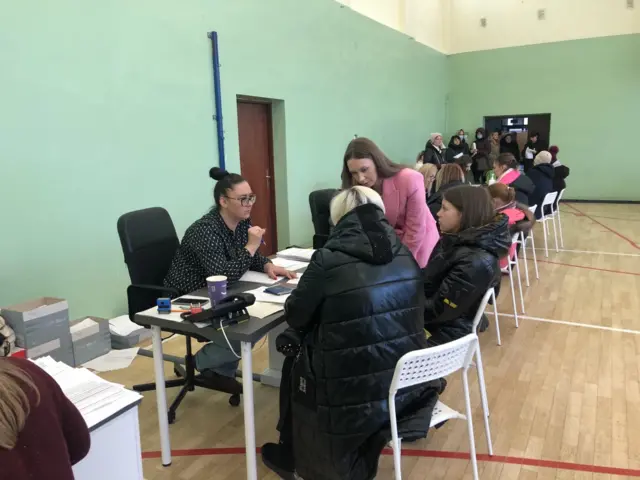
(272, 181)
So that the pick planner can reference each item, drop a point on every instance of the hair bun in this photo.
(218, 173)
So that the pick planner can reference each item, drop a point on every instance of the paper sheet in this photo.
(262, 309)
(257, 277)
(123, 326)
(114, 360)
(95, 398)
(294, 281)
(261, 296)
(86, 323)
(289, 264)
(300, 254)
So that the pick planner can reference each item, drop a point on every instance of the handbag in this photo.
(288, 342)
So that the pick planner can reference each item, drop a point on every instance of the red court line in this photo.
(631, 242)
(587, 268)
(483, 457)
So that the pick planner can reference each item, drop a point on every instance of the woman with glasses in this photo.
(222, 242)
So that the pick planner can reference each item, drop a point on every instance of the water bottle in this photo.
(491, 177)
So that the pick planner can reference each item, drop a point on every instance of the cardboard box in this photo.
(120, 342)
(91, 339)
(42, 328)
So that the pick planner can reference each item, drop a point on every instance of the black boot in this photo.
(279, 458)
(484, 323)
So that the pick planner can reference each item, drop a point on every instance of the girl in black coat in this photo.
(480, 151)
(358, 309)
(508, 144)
(541, 175)
(456, 149)
(464, 263)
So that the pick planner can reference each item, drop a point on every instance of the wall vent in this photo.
(483, 22)
(542, 14)
(630, 4)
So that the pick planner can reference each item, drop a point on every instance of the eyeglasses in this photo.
(245, 201)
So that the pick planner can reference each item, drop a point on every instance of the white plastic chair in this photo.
(548, 215)
(428, 364)
(556, 213)
(523, 242)
(491, 294)
(513, 261)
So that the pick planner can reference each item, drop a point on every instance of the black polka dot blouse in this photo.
(208, 248)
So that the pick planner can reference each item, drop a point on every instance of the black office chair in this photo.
(319, 202)
(149, 243)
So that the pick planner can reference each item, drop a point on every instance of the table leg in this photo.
(161, 396)
(273, 374)
(249, 420)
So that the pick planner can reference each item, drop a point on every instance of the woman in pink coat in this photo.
(403, 193)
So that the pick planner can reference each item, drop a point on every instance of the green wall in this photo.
(590, 87)
(106, 107)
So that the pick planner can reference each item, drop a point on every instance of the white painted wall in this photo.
(424, 20)
(513, 23)
(453, 26)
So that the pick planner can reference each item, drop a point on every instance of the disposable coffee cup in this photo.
(217, 288)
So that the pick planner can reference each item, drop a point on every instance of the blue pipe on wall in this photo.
(217, 97)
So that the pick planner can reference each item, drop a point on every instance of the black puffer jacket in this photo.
(542, 178)
(433, 155)
(462, 267)
(360, 304)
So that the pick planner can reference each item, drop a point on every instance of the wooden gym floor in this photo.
(563, 388)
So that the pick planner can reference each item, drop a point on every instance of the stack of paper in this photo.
(289, 264)
(263, 310)
(123, 326)
(300, 254)
(95, 398)
(257, 277)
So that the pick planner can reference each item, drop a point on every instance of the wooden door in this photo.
(256, 165)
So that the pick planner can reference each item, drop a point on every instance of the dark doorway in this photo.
(256, 165)
(522, 125)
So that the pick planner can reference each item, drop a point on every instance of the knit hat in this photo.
(434, 136)
(542, 157)
(553, 150)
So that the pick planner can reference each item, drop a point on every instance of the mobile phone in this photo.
(189, 301)
(278, 290)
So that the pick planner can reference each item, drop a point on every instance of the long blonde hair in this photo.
(429, 172)
(14, 402)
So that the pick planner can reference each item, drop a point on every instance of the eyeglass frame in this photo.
(245, 201)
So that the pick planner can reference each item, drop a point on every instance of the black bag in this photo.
(288, 342)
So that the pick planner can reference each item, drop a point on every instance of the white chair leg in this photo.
(555, 231)
(560, 228)
(513, 293)
(495, 316)
(533, 250)
(397, 467)
(544, 227)
(519, 282)
(523, 244)
(485, 402)
(472, 443)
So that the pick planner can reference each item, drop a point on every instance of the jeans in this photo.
(217, 356)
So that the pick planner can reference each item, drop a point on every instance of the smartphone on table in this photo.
(278, 290)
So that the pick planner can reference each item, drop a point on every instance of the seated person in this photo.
(465, 162)
(520, 218)
(429, 172)
(560, 172)
(464, 264)
(449, 176)
(505, 167)
(542, 176)
(357, 310)
(222, 242)
(42, 434)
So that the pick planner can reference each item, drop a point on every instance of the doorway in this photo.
(522, 126)
(256, 166)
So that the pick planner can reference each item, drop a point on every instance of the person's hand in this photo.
(274, 271)
(255, 236)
